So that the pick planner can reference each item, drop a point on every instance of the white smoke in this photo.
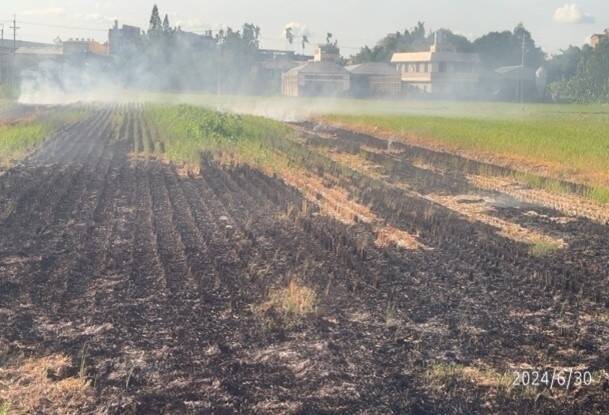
(59, 83)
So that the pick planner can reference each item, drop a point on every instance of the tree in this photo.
(289, 35)
(497, 49)
(563, 66)
(591, 80)
(412, 40)
(251, 36)
(458, 42)
(238, 54)
(418, 39)
(329, 38)
(305, 41)
(166, 25)
(534, 57)
(220, 36)
(418, 32)
(155, 21)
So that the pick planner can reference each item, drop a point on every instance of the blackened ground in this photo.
(158, 276)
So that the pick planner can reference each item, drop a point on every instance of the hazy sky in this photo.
(555, 23)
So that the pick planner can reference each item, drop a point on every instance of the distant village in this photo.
(440, 71)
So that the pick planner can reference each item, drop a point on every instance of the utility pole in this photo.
(13, 78)
(15, 27)
(2, 65)
(522, 70)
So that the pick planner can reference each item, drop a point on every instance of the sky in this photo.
(555, 24)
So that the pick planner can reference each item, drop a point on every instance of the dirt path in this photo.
(150, 280)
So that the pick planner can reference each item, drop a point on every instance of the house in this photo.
(441, 71)
(327, 53)
(125, 40)
(596, 39)
(374, 79)
(12, 60)
(321, 77)
(270, 65)
(7, 44)
(29, 57)
(84, 47)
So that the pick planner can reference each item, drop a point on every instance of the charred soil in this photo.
(155, 283)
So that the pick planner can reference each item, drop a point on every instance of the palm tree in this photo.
(289, 35)
(305, 41)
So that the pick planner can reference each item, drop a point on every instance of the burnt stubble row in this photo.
(158, 274)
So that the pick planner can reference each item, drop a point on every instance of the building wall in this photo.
(269, 78)
(384, 85)
(313, 85)
(123, 40)
(289, 85)
(438, 72)
(368, 85)
(327, 53)
(75, 47)
(440, 78)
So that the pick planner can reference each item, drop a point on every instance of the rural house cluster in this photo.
(441, 71)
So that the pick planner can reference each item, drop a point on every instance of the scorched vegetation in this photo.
(22, 131)
(159, 259)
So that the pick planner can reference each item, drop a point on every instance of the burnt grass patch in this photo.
(156, 283)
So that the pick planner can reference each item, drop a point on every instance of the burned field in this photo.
(370, 278)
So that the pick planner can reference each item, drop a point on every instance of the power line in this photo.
(58, 26)
(64, 27)
(68, 27)
(194, 28)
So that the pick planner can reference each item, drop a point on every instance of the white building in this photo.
(441, 71)
(321, 77)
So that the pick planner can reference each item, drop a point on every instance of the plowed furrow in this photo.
(170, 246)
(297, 256)
(195, 251)
(148, 279)
(106, 254)
(214, 238)
(39, 201)
(75, 241)
(62, 146)
(14, 187)
(347, 249)
(222, 238)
